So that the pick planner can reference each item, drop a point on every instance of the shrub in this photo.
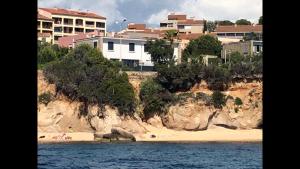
(238, 101)
(179, 77)
(154, 98)
(205, 97)
(45, 98)
(229, 97)
(218, 99)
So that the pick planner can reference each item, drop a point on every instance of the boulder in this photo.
(122, 133)
(190, 116)
(155, 121)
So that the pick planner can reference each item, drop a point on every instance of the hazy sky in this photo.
(152, 12)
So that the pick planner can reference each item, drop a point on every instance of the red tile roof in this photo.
(42, 17)
(137, 26)
(68, 40)
(176, 17)
(239, 28)
(190, 22)
(60, 11)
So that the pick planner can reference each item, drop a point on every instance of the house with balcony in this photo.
(45, 28)
(71, 22)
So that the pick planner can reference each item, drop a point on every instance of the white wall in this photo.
(138, 54)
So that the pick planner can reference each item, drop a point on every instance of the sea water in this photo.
(145, 155)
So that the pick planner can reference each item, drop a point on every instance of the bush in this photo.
(45, 98)
(154, 98)
(206, 98)
(218, 99)
(238, 101)
(85, 75)
(236, 110)
(179, 77)
(217, 78)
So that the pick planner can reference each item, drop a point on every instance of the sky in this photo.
(152, 12)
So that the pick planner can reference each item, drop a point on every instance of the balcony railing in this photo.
(87, 25)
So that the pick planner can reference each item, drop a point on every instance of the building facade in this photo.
(71, 22)
(45, 29)
(132, 52)
(245, 48)
(182, 24)
(235, 33)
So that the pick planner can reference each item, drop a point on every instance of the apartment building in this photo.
(71, 22)
(235, 33)
(45, 28)
(181, 23)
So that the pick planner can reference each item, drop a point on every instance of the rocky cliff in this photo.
(62, 115)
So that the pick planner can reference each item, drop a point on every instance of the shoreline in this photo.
(164, 135)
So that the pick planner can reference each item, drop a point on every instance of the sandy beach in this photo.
(164, 134)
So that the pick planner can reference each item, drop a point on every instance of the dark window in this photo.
(131, 47)
(100, 24)
(56, 37)
(110, 45)
(230, 34)
(146, 48)
(57, 29)
(95, 44)
(220, 34)
(239, 34)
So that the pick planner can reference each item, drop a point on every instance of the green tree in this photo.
(238, 101)
(224, 23)
(243, 22)
(260, 20)
(85, 75)
(211, 26)
(154, 98)
(161, 52)
(252, 36)
(171, 35)
(204, 45)
(45, 55)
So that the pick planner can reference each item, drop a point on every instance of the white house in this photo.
(131, 52)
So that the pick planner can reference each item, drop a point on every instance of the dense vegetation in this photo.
(48, 53)
(154, 98)
(85, 75)
(45, 98)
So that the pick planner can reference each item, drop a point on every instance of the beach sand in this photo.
(217, 134)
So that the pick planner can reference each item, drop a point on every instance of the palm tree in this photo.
(171, 35)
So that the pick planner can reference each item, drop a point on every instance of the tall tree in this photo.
(211, 26)
(204, 45)
(171, 35)
(243, 22)
(260, 20)
(224, 23)
(161, 52)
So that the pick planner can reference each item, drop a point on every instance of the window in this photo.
(131, 47)
(146, 48)
(57, 29)
(56, 37)
(220, 34)
(100, 24)
(110, 45)
(239, 34)
(95, 44)
(257, 48)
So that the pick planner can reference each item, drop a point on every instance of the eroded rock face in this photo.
(155, 122)
(189, 116)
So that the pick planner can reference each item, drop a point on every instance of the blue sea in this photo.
(142, 155)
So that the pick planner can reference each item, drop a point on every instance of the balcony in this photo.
(90, 24)
(68, 21)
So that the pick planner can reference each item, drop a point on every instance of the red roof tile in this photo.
(68, 40)
(239, 28)
(60, 11)
(42, 17)
(176, 17)
(136, 26)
